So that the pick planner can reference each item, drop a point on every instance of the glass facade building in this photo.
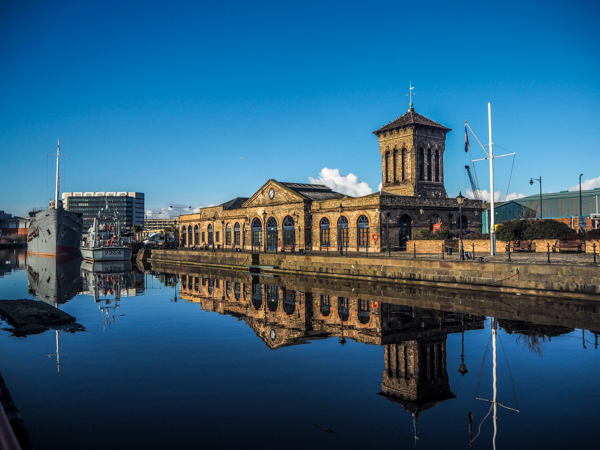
(129, 206)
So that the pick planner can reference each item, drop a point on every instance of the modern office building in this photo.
(129, 206)
(156, 225)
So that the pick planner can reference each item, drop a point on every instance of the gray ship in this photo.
(55, 232)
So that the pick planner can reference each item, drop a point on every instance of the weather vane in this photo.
(410, 94)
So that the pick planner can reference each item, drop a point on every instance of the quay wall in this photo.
(567, 281)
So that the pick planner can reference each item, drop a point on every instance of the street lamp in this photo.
(340, 243)
(387, 232)
(180, 208)
(460, 200)
(541, 205)
(264, 214)
(463, 367)
(580, 209)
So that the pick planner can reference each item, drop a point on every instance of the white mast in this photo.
(57, 176)
(490, 156)
(492, 227)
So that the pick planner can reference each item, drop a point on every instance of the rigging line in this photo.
(481, 423)
(510, 178)
(485, 355)
(509, 371)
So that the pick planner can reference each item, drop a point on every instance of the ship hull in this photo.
(55, 233)
(106, 253)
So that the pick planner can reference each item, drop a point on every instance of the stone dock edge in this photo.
(566, 281)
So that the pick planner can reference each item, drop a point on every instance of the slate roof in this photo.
(315, 192)
(236, 203)
(410, 118)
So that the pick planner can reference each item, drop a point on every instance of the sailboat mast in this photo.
(57, 176)
(495, 400)
(491, 155)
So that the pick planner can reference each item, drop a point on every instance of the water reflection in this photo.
(412, 324)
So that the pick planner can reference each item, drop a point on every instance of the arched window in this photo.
(257, 296)
(256, 232)
(236, 234)
(196, 235)
(364, 311)
(342, 231)
(272, 298)
(228, 289)
(403, 164)
(324, 225)
(190, 241)
(429, 165)
(362, 225)
(289, 302)
(344, 308)
(211, 286)
(210, 235)
(387, 166)
(437, 165)
(395, 166)
(325, 305)
(228, 234)
(421, 164)
(236, 290)
(289, 233)
(271, 234)
(404, 231)
(183, 235)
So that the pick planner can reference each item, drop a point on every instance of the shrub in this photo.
(426, 234)
(511, 231)
(517, 230)
(547, 229)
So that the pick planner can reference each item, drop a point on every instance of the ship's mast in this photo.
(57, 176)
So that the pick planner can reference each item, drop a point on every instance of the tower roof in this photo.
(410, 118)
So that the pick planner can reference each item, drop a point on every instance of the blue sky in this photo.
(166, 98)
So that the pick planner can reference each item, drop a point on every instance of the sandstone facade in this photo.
(298, 216)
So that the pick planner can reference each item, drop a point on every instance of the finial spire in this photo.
(410, 94)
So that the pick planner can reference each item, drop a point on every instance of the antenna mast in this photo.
(57, 175)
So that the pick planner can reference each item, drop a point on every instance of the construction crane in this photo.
(474, 188)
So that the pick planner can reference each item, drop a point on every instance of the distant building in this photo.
(505, 212)
(10, 225)
(562, 206)
(156, 225)
(128, 205)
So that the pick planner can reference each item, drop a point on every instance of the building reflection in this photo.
(415, 374)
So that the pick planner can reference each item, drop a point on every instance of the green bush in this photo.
(517, 230)
(511, 231)
(547, 229)
(426, 234)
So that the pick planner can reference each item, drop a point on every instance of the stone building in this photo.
(294, 216)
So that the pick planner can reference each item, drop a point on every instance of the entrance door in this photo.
(272, 234)
(404, 231)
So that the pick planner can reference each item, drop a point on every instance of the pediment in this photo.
(273, 193)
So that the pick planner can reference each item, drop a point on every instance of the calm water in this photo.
(197, 358)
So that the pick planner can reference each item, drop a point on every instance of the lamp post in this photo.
(264, 214)
(463, 367)
(339, 237)
(580, 208)
(460, 200)
(387, 232)
(541, 204)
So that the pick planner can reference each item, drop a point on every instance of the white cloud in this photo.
(344, 184)
(513, 196)
(592, 183)
(379, 187)
(485, 195)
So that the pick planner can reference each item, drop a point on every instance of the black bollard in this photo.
(548, 245)
(415, 250)
(594, 253)
(473, 251)
(508, 248)
(443, 245)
